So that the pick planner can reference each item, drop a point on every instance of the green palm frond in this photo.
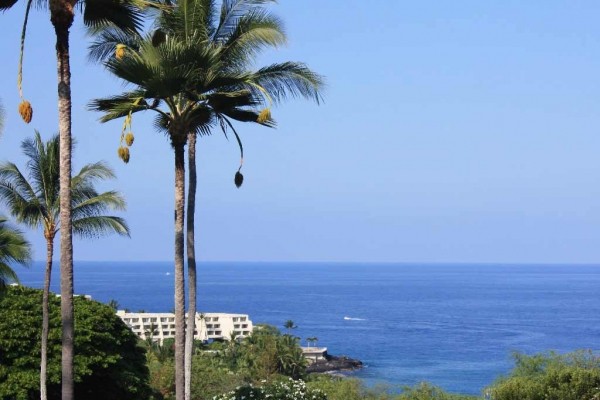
(231, 12)
(101, 14)
(198, 119)
(18, 196)
(43, 166)
(105, 43)
(121, 105)
(6, 4)
(288, 79)
(14, 249)
(93, 204)
(254, 31)
(188, 18)
(97, 226)
(220, 101)
(91, 173)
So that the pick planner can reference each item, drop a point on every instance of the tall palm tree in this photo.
(199, 73)
(13, 249)
(97, 14)
(35, 202)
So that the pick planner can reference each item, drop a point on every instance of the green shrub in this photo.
(109, 363)
(574, 376)
(425, 391)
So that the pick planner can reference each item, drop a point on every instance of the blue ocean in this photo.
(453, 325)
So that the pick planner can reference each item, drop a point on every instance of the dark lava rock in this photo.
(334, 363)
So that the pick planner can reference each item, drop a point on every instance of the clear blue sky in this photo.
(464, 131)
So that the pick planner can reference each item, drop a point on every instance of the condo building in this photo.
(209, 326)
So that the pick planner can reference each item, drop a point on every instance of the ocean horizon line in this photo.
(398, 263)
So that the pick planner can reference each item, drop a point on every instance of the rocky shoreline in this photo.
(333, 364)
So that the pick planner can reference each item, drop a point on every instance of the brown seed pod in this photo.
(124, 154)
(120, 51)
(264, 116)
(26, 111)
(129, 138)
(239, 179)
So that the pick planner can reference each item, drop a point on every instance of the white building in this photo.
(161, 326)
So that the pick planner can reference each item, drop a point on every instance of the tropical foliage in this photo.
(574, 376)
(109, 362)
(14, 249)
(221, 366)
(35, 203)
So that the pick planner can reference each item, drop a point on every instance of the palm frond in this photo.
(226, 100)
(19, 196)
(121, 105)
(91, 173)
(231, 11)
(90, 203)
(25, 211)
(122, 14)
(255, 31)
(97, 226)
(14, 249)
(288, 79)
(105, 43)
(189, 18)
(198, 119)
(6, 4)
(43, 166)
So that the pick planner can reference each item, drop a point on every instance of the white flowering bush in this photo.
(281, 390)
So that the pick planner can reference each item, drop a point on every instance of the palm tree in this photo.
(200, 73)
(312, 340)
(13, 249)
(36, 203)
(97, 14)
(289, 325)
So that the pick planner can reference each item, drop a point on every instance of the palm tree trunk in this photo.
(179, 270)
(62, 14)
(191, 264)
(45, 316)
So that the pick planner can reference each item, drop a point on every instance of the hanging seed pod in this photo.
(120, 51)
(239, 179)
(129, 138)
(264, 116)
(26, 111)
(124, 154)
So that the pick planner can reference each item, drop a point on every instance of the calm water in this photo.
(453, 325)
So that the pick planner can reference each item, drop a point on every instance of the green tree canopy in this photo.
(109, 363)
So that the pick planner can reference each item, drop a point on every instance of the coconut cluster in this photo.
(124, 154)
(264, 116)
(129, 139)
(26, 111)
(120, 51)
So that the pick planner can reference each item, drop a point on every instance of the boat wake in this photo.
(354, 319)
